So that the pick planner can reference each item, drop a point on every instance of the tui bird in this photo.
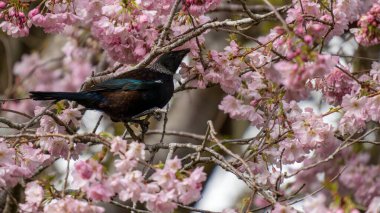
(132, 95)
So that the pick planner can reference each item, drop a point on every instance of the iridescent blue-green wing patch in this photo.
(126, 84)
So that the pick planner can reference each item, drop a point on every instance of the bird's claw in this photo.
(157, 116)
(156, 112)
(144, 127)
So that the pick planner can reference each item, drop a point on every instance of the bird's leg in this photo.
(131, 132)
(144, 125)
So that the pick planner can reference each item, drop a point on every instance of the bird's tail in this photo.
(71, 96)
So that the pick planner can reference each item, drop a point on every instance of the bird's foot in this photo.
(131, 132)
(156, 112)
(144, 125)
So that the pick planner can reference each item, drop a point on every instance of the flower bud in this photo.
(2, 5)
(33, 12)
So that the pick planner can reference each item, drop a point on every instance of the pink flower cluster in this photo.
(34, 195)
(309, 134)
(165, 187)
(69, 204)
(57, 15)
(60, 14)
(369, 27)
(375, 72)
(264, 174)
(57, 146)
(358, 111)
(365, 187)
(335, 85)
(311, 18)
(319, 203)
(20, 162)
(222, 68)
(238, 110)
(198, 7)
(15, 23)
(302, 65)
(36, 74)
(127, 36)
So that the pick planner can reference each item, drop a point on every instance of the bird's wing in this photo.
(126, 84)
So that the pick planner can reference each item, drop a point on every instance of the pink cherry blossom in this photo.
(316, 204)
(129, 185)
(159, 201)
(367, 34)
(118, 145)
(87, 171)
(279, 208)
(135, 151)
(356, 114)
(199, 7)
(190, 188)
(374, 205)
(335, 85)
(69, 204)
(34, 194)
(99, 191)
(71, 115)
(6, 153)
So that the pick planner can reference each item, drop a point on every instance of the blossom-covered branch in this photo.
(266, 73)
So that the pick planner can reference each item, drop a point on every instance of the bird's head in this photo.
(172, 60)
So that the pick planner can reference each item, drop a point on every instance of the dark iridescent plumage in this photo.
(130, 94)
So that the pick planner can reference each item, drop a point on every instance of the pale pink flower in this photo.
(293, 151)
(69, 204)
(356, 113)
(196, 7)
(34, 192)
(86, 172)
(32, 157)
(315, 204)
(125, 164)
(335, 85)
(118, 145)
(7, 154)
(14, 30)
(55, 146)
(129, 186)
(166, 178)
(190, 188)
(99, 192)
(368, 34)
(159, 201)
(34, 195)
(374, 206)
(136, 151)
(173, 165)
(279, 208)
(54, 22)
(71, 115)
(230, 105)
(375, 71)
(373, 108)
